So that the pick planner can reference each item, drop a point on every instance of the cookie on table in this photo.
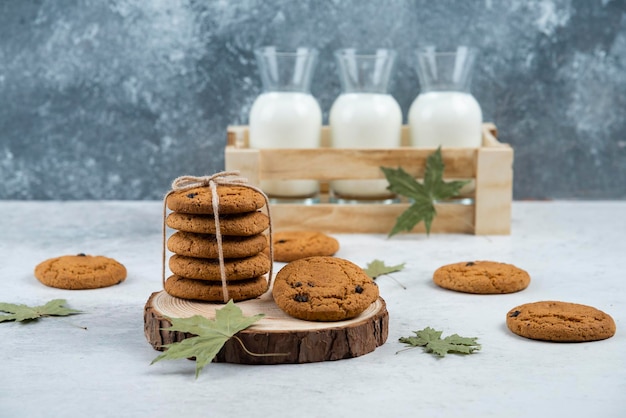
(192, 289)
(238, 224)
(560, 322)
(209, 269)
(232, 199)
(205, 245)
(323, 289)
(294, 245)
(481, 277)
(75, 272)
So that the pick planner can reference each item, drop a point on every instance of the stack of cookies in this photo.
(195, 262)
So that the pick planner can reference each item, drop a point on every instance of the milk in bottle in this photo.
(364, 115)
(286, 115)
(445, 113)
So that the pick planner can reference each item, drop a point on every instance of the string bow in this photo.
(224, 178)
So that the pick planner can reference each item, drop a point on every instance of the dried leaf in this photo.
(211, 335)
(423, 195)
(377, 268)
(21, 313)
(432, 342)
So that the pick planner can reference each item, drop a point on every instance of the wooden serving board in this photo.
(277, 332)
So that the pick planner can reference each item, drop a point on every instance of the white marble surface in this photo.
(573, 251)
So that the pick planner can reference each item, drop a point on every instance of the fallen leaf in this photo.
(432, 342)
(21, 313)
(210, 335)
(377, 268)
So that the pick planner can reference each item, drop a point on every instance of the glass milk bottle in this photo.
(445, 113)
(364, 115)
(286, 115)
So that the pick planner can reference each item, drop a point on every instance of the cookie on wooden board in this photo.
(481, 277)
(232, 199)
(209, 268)
(205, 245)
(212, 291)
(323, 289)
(294, 245)
(560, 322)
(75, 272)
(237, 224)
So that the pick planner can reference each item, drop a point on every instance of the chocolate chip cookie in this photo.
(323, 289)
(232, 199)
(560, 322)
(209, 269)
(237, 224)
(212, 291)
(481, 277)
(80, 272)
(205, 245)
(294, 245)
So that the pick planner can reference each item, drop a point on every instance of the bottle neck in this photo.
(365, 72)
(445, 71)
(286, 71)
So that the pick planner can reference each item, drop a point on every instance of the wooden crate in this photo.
(490, 167)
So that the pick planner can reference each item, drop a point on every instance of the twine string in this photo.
(230, 178)
(215, 202)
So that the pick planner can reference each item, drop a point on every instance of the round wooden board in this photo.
(276, 332)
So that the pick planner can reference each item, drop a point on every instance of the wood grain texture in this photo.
(357, 163)
(371, 218)
(246, 161)
(300, 341)
(494, 191)
(490, 194)
(332, 164)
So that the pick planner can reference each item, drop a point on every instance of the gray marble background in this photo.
(114, 99)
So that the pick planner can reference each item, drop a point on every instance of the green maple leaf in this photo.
(211, 334)
(378, 268)
(21, 313)
(423, 195)
(432, 342)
